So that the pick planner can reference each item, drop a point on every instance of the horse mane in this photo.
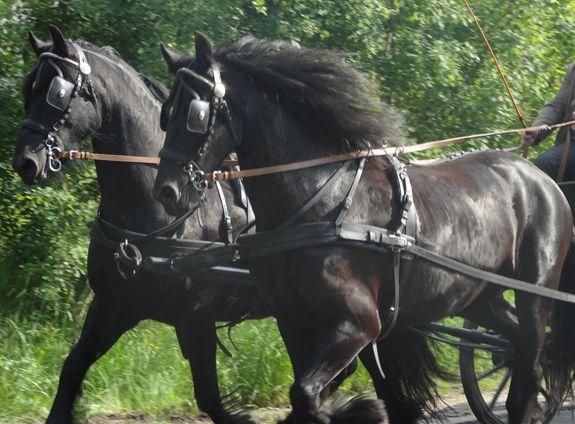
(156, 88)
(320, 87)
(159, 90)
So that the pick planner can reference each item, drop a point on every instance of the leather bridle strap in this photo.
(80, 155)
(294, 166)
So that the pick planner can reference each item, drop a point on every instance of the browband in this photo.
(82, 63)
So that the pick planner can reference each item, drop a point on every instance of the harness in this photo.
(399, 239)
(60, 96)
(132, 248)
(125, 244)
(200, 119)
(401, 234)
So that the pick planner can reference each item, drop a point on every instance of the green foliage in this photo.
(428, 60)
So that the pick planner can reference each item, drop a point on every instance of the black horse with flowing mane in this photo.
(275, 103)
(119, 110)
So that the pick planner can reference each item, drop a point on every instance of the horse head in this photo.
(60, 106)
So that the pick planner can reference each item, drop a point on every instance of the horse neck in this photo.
(130, 126)
(277, 197)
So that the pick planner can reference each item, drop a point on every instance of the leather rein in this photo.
(106, 157)
(257, 172)
(388, 151)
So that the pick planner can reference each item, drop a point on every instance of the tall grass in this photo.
(143, 372)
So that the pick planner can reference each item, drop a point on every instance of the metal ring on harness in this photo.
(128, 257)
(53, 154)
(196, 177)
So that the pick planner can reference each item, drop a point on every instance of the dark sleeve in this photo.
(554, 111)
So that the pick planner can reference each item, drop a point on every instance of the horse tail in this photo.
(561, 347)
(410, 365)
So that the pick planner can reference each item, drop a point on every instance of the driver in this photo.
(560, 109)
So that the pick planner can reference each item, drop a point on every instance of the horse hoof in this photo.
(233, 419)
(358, 410)
(292, 419)
(67, 420)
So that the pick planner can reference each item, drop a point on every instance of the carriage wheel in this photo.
(485, 376)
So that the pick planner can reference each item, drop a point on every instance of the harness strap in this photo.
(225, 214)
(31, 125)
(168, 229)
(406, 224)
(349, 198)
(307, 206)
(490, 277)
(394, 310)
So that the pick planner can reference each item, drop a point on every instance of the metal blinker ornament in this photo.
(219, 90)
(85, 68)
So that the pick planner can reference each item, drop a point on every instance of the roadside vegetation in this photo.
(429, 63)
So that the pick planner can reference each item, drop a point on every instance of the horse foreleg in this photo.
(296, 346)
(102, 328)
(317, 366)
(198, 342)
(332, 387)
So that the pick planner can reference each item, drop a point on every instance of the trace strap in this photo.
(490, 277)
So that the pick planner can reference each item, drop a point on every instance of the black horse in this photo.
(492, 210)
(119, 110)
(120, 113)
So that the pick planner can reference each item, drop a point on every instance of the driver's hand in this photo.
(528, 137)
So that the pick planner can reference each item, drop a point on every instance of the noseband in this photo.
(201, 119)
(60, 96)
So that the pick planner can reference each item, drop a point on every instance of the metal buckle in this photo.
(199, 184)
(71, 154)
(196, 177)
(53, 153)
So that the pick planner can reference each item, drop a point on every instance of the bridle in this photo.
(201, 119)
(60, 96)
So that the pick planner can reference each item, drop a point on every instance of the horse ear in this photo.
(204, 51)
(173, 59)
(62, 46)
(38, 45)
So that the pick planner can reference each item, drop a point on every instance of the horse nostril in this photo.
(27, 168)
(168, 195)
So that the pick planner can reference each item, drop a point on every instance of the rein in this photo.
(388, 151)
(151, 160)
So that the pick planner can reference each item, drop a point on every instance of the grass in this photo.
(143, 372)
(146, 373)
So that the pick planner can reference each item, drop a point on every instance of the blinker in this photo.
(198, 116)
(60, 93)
